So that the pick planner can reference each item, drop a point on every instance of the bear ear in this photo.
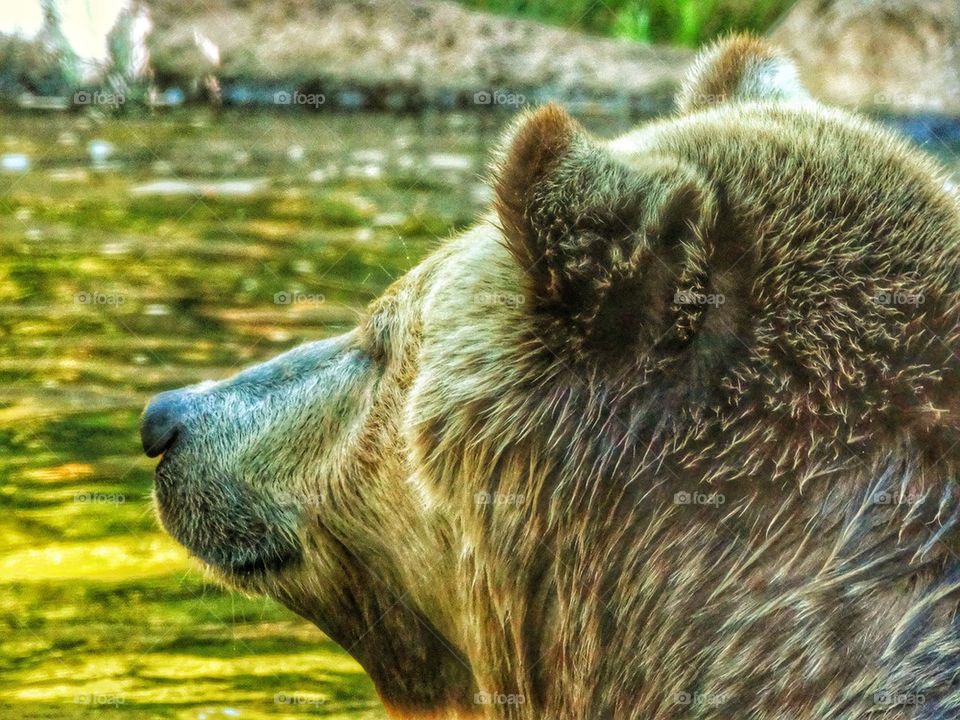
(740, 67)
(609, 248)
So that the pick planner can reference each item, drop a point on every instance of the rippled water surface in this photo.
(138, 255)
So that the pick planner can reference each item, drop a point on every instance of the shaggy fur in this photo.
(737, 69)
(672, 433)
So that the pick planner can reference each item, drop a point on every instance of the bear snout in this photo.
(162, 422)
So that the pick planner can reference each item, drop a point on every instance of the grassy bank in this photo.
(680, 22)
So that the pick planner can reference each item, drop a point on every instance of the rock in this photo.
(357, 53)
(399, 54)
(896, 55)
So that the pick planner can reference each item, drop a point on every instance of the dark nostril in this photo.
(162, 422)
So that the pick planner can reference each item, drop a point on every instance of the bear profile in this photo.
(671, 432)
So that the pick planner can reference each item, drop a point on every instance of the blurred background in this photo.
(187, 188)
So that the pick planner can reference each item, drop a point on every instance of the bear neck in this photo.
(384, 623)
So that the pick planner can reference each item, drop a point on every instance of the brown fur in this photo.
(674, 432)
(536, 146)
(596, 235)
(734, 69)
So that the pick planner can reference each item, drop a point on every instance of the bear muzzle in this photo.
(163, 422)
(230, 485)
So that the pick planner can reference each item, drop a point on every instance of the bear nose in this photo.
(162, 422)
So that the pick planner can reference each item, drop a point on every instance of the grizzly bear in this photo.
(672, 432)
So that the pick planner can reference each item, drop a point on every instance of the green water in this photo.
(111, 292)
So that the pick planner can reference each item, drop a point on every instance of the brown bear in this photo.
(672, 432)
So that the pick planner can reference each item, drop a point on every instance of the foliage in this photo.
(682, 22)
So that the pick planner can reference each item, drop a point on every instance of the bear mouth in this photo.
(224, 524)
(262, 565)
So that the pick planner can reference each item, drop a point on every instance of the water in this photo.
(144, 254)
